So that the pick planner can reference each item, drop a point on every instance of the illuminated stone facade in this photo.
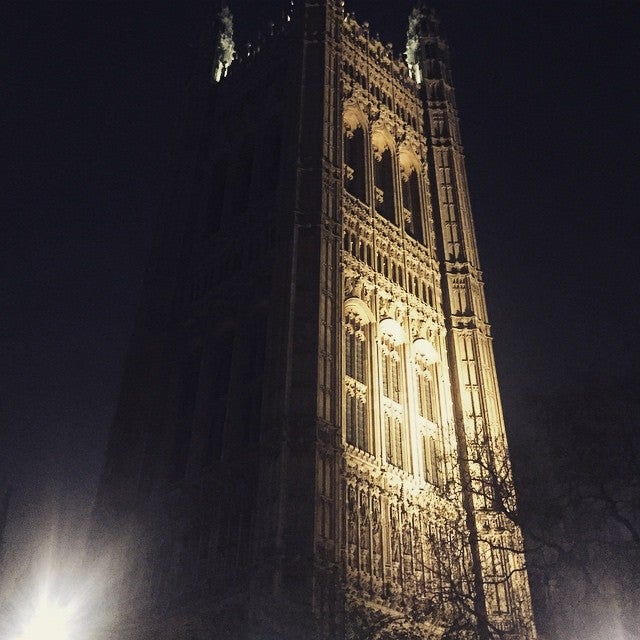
(309, 437)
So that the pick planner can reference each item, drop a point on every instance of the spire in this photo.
(424, 21)
(413, 45)
(225, 47)
(424, 30)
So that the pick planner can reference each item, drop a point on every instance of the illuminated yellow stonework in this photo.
(313, 408)
(391, 514)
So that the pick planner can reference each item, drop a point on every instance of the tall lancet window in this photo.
(427, 408)
(390, 371)
(397, 451)
(355, 349)
(425, 389)
(383, 180)
(354, 165)
(357, 371)
(411, 203)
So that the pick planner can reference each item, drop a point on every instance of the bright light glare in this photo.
(61, 594)
(50, 622)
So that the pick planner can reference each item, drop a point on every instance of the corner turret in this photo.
(427, 51)
(501, 591)
(225, 47)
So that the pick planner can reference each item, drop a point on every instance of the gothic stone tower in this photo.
(309, 441)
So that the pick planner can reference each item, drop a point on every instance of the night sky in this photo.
(548, 99)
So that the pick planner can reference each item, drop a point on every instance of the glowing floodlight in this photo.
(50, 621)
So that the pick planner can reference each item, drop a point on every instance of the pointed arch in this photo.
(410, 171)
(393, 385)
(426, 350)
(384, 174)
(391, 328)
(425, 359)
(358, 338)
(355, 128)
(357, 307)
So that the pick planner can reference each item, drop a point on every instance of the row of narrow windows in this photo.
(397, 398)
(435, 91)
(402, 209)
(435, 69)
(405, 546)
(387, 267)
(382, 96)
(440, 126)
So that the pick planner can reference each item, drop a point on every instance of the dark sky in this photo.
(548, 99)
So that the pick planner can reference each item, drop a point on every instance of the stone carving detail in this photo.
(401, 534)
(357, 284)
(352, 520)
(395, 534)
(376, 532)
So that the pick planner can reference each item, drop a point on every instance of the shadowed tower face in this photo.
(309, 440)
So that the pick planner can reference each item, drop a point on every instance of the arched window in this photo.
(431, 458)
(392, 373)
(355, 349)
(390, 370)
(394, 441)
(427, 408)
(390, 361)
(383, 180)
(357, 368)
(411, 204)
(354, 158)
(424, 388)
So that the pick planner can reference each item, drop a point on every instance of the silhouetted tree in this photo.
(578, 476)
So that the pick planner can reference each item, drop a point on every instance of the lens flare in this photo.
(60, 588)
(50, 621)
